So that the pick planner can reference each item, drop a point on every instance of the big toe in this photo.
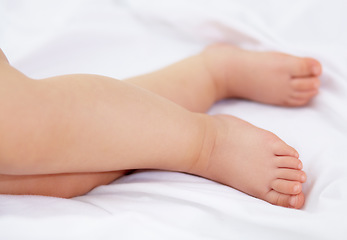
(285, 200)
(305, 67)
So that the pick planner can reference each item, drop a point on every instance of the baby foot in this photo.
(253, 161)
(266, 77)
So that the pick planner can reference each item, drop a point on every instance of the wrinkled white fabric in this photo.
(129, 37)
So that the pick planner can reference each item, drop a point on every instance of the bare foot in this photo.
(267, 77)
(251, 160)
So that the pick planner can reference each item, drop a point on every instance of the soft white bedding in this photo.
(127, 37)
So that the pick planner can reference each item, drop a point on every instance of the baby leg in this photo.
(198, 94)
(213, 87)
(69, 185)
(14, 82)
(272, 170)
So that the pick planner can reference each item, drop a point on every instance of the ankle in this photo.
(215, 64)
(200, 163)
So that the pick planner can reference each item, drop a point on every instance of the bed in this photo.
(123, 38)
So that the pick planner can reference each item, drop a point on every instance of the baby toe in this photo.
(286, 186)
(304, 97)
(305, 67)
(297, 201)
(288, 162)
(296, 102)
(285, 200)
(305, 84)
(283, 149)
(315, 66)
(297, 99)
(291, 174)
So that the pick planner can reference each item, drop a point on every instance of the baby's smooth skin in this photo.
(272, 78)
(83, 134)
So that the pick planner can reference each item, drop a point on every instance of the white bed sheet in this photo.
(125, 38)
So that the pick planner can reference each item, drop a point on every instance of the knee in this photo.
(3, 58)
(22, 120)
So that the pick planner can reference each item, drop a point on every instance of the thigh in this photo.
(56, 185)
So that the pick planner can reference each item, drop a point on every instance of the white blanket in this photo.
(127, 37)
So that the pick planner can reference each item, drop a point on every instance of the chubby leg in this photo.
(224, 71)
(216, 89)
(48, 127)
(197, 95)
(69, 185)
(267, 77)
